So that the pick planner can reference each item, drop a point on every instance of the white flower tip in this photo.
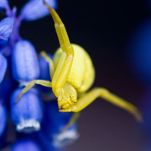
(28, 126)
(64, 138)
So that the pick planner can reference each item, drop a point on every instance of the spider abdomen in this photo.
(82, 72)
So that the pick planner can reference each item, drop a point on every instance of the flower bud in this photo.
(28, 112)
(6, 27)
(25, 63)
(44, 69)
(65, 137)
(3, 3)
(36, 9)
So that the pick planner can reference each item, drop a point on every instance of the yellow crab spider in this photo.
(72, 75)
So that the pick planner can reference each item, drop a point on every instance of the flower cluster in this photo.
(31, 124)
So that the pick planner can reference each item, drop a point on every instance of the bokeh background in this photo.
(107, 30)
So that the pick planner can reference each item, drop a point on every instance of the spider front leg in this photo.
(32, 84)
(103, 93)
(64, 65)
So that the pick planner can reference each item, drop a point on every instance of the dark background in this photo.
(103, 28)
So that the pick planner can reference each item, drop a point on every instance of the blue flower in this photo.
(3, 67)
(3, 3)
(44, 68)
(54, 124)
(25, 63)
(28, 112)
(25, 145)
(65, 137)
(35, 9)
(6, 27)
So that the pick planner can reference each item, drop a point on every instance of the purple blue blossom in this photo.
(3, 3)
(28, 112)
(25, 65)
(35, 9)
(44, 68)
(6, 27)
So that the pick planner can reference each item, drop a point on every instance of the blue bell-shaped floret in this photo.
(3, 67)
(36, 9)
(25, 145)
(25, 63)
(3, 118)
(44, 68)
(3, 3)
(27, 113)
(6, 28)
(54, 124)
(65, 137)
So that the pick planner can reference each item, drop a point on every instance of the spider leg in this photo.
(72, 120)
(103, 93)
(32, 84)
(60, 30)
(63, 68)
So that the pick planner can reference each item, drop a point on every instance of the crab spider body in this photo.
(79, 79)
(72, 75)
(81, 75)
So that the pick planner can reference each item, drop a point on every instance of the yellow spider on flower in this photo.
(72, 73)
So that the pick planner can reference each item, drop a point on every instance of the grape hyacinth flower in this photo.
(28, 112)
(35, 9)
(6, 27)
(3, 3)
(44, 68)
(25, 63)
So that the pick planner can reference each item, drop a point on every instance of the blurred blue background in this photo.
(117, 34)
